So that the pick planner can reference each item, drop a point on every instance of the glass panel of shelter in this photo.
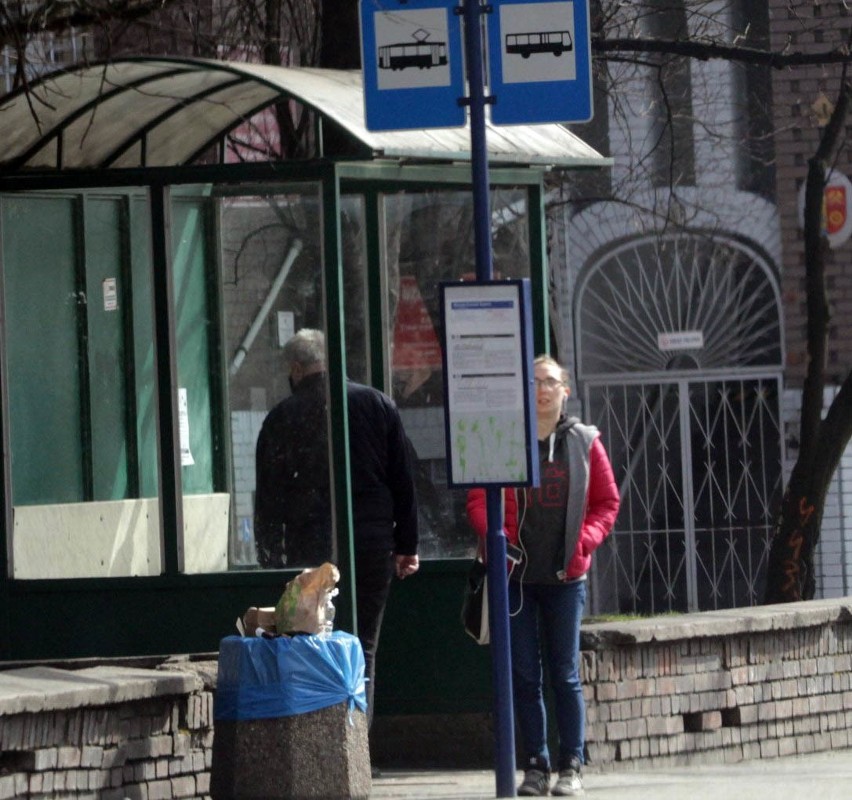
(414, 260)
(80, 364)
(248, 271)
(429, 238)
(271, 277)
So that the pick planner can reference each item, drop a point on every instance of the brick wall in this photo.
(712, 687)
(798, 95)
(704, 688)
(719, 686)
(144, 748)
(245, 428)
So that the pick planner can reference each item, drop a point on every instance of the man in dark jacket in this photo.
(293, 499)
(292, 494)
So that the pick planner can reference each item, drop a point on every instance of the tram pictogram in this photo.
(420, 53)
(423, 55)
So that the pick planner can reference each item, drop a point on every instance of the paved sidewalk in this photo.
(822, 776)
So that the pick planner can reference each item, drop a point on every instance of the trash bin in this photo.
(290, 718)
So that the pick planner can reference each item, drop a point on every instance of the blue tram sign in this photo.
(411, 52)
(539, 56)
(539, 62)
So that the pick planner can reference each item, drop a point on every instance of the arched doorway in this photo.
(679, 357)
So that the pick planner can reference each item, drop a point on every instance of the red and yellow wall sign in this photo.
(836, 208)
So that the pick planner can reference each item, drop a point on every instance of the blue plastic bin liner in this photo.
(270, 678)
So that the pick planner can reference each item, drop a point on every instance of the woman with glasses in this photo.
(557, 526)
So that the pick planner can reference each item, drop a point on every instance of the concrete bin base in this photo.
(319, 754)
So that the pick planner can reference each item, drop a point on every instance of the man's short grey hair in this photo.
(306, 348)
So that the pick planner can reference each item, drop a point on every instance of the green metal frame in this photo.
(129, 356)
(83, 357)
(169, 475)
(333, 284)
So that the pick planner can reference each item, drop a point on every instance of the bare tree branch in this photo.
(64, 14)
(705, 50)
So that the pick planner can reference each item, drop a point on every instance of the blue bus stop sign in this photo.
(539, 54)
(411, 54)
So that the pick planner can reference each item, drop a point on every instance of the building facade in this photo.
(681, 286)
(804, 97)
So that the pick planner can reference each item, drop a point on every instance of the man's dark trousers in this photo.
(374, 571)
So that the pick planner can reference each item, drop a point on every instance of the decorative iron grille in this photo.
(679, 355)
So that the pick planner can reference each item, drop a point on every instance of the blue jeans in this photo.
(548, 615)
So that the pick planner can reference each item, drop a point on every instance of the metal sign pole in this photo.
(498, 601)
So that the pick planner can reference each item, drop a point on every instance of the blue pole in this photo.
(478, 149)
(498, 600)
(501, 661)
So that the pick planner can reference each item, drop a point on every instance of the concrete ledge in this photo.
(37, 689)
(705, 624)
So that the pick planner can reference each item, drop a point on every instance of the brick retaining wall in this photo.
(719, 686)
(702, 688)
(106, 733)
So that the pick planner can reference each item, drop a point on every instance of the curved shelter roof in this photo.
(165, 112)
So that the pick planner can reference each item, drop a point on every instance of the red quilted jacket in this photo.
(602, 502)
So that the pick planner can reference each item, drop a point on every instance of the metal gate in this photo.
(698, 463)
(679, 360)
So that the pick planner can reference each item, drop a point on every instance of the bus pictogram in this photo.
(525, 44)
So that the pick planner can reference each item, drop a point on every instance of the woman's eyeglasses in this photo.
(546, 383)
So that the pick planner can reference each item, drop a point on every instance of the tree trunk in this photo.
(340, 47)
(790, 570)
(790, 574)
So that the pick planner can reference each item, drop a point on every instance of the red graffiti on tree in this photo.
(792, 567)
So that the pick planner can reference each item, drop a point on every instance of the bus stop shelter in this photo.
(153, 261)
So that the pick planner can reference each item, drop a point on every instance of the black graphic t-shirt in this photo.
(543, 529)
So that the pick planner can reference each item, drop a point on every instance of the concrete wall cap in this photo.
(35, 689)
(727, 622)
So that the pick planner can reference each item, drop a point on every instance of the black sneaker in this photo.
(536, 783)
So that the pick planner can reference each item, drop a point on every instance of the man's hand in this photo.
(406, 565)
